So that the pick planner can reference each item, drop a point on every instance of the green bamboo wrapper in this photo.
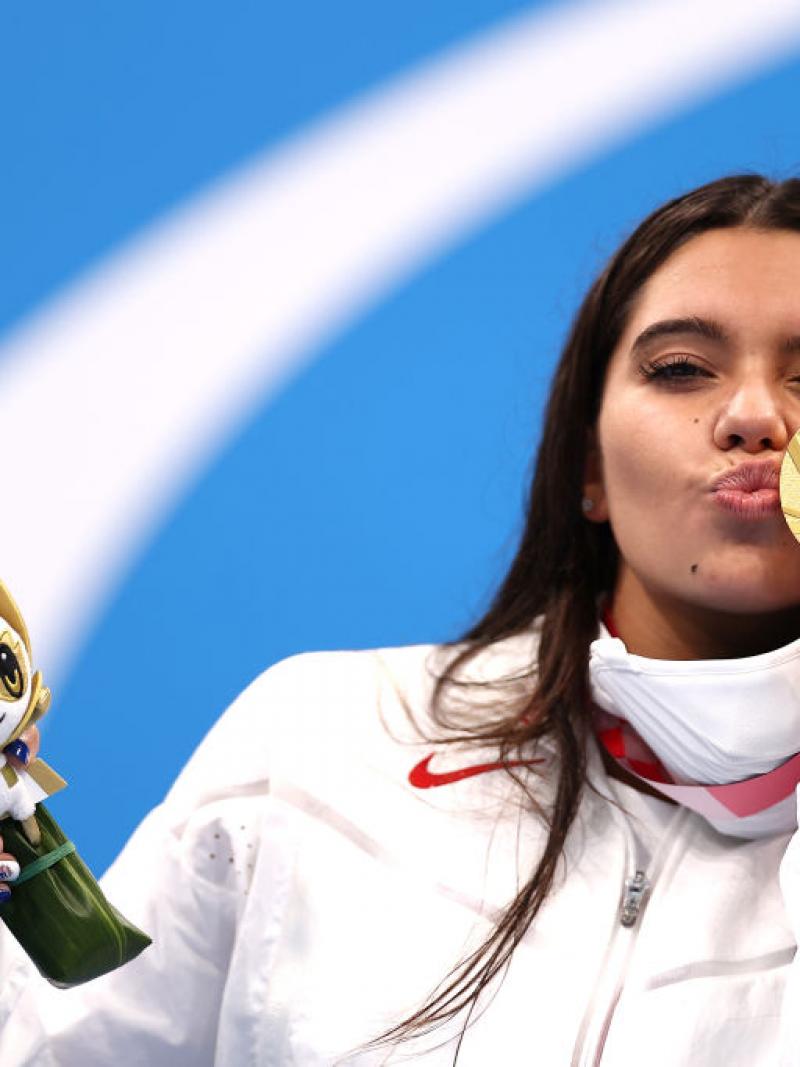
(61, 916)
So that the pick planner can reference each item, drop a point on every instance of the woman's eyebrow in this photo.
(708, 329)
(705, 328)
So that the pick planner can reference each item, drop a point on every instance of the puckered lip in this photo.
(749, 477)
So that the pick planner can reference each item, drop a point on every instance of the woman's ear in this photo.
(595, 507)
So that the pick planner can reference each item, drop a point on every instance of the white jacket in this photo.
(302, 896)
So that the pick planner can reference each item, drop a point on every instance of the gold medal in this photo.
(790, 485)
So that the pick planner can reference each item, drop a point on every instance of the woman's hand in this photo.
(19, 754)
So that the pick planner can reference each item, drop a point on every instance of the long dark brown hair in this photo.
(565, 564)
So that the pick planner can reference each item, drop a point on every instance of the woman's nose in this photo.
(754, 419)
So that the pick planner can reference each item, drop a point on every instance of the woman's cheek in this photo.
(637, 478)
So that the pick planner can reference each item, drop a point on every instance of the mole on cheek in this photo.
(694, 568)
(696, 420)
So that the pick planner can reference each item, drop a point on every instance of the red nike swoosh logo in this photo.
(423, 778)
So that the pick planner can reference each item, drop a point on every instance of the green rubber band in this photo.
(43, 862)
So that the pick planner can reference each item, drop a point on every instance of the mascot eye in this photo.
(12, 679)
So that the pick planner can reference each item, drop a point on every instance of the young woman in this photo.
(558, 840)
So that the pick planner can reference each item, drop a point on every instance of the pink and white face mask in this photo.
(721, 737)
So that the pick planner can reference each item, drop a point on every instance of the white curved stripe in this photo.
(123, 389)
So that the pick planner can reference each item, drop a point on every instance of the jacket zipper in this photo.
(637, 887)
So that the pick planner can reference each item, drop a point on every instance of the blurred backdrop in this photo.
(283, 286)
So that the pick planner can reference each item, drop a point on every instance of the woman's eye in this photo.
(673, 369)
(12, 680)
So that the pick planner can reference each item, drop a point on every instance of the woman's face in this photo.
(706, 377)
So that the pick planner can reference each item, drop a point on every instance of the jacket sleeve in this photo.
(186, 877)
(165, 1006)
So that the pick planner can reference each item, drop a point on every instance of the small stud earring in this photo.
(587, 504)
